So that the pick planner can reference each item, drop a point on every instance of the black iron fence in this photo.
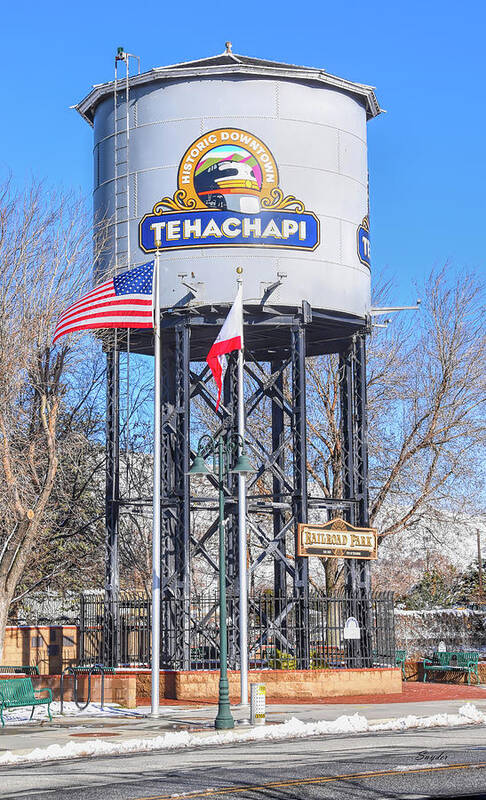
(117, 633)
(282, 632)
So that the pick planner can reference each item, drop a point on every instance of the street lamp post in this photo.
(224, 719)
(207, 444)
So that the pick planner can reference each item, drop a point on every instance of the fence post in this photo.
(81, 631)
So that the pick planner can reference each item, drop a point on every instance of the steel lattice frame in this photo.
(286, 500)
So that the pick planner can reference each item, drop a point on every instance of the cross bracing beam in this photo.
(272, 547)
(275, 627)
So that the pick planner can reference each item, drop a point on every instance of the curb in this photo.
(292, 729)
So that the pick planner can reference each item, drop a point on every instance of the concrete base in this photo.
(281, 684)
(132, 687)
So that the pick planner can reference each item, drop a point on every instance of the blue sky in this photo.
(426, 155)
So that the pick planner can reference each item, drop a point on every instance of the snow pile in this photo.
(293, 729)
(472, 713)
(467, 714)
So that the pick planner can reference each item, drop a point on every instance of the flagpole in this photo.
(155, 699)
(242, 544)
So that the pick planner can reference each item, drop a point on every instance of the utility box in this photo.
(257, 703)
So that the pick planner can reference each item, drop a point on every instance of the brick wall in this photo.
(120, 689)
(298, 684)
(281, 684)
(52, 648)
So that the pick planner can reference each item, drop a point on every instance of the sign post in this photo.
(155, 661)
(257, 703)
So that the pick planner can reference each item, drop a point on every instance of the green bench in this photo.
(453, 661)
(94, 669)
(19, 692)
(400, 658)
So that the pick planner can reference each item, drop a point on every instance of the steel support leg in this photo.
(279, 571)
(110, 633)
(346, 387)
(175, 494)
(363, 577)
(278, 435)
(349, 489)
(362, 440)
(358, 455)
(301, 579)
(169, 512)
(355, 481)
(182, 488)
(349, 465)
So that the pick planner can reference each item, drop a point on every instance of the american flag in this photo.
(125, 301)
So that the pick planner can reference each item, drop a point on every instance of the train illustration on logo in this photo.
(232, 183)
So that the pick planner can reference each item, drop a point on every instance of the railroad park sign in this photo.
(336, 539)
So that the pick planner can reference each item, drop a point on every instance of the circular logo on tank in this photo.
(228, 169)
(228, 195)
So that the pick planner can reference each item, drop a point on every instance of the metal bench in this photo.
(453, 661)
(94, 669)
(29, 669)
(385, 660)
(400, 658)
(19, 692)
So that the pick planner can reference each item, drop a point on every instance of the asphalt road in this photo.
(412, 764)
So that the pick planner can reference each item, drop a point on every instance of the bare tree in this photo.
(325, 452)
(69, 554)
(45, 252)
(426, 388)
(426, 395)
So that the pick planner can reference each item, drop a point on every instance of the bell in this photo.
(243, 466)
(199, 467)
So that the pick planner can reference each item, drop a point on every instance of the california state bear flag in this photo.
(229, 338)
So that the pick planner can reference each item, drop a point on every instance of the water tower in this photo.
(237, 161)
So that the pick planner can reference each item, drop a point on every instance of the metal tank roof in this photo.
(229, 63)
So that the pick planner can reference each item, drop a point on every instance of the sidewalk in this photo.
(114, 730)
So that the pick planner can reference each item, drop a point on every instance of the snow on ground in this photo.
(294, 728)
(21, 716)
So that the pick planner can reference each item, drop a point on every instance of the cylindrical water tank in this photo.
(258, 164)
